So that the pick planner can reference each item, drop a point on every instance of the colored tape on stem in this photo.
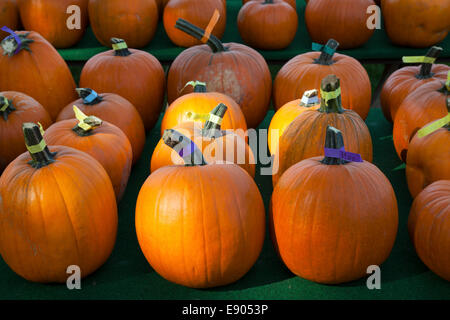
(212, 23)
(310, 100)
(193, 84)
(91, 97)
(81, 117)
(41, 128)
(119, 46)
(37, 147)
(215, 119)
(418, 59)
(5, 106)
(323, 48)
(432, 127)
(343, 155)
(188, 150)
(327, 96)
(13, 35)
(447, 83)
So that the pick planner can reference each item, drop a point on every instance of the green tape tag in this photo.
(327, 96)
(418, 59)
(37, 148)
(432, 127)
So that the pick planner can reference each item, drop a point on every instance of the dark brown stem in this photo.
(33, 137)
(425, 68)
(185, 147)
(213, 42)
(93, 122)
(212, 129)
(268, 1)
(333, 140)
(327, 58)
(123, 52)
(200, 88)
(6, 107)
(331, 83)
(83, 93)
(9, 44)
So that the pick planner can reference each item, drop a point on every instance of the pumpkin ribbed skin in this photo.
(107, 144)
(267, 25)
(72, 221)
(50, 18)
(429, 227)
(11, 136)
(291, 2)
(9, 16)
(404, 81)
(427, 21)
(331, 222)
(205, 234)
(134, 21)
(421, 107)
(428, 160)
(165, 156)
(138, 77)
(117, 111)
(343, 20)
(301, 73)
(199, 13)
(43, 66)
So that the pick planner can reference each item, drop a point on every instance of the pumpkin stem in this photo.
(310, 98)
(326, 56)
(86, 124)
(6, 107)
(213, 42)
(425, 68)
(333, 140)
(89, 96)
(39, 152)
(268, 1)
(212, 127)
(330, 100)
(199, 87)
(120, 47)
(10, 45)
(185, 147)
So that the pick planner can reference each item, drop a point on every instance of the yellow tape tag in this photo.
(432, 127)
(447, 83)
(197, 116)
(215, 119)
(81, 117)
(119, 46)
(41, 128)
(37, 148)
(327, 96)
(5, 106)
(193, 84)
(418, 59)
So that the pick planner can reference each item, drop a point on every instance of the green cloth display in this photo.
(379, 46)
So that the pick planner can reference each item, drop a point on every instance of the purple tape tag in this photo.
(188, 150)
(343, 155)
(13, 35)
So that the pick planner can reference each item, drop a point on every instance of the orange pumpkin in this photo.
(343, 20)
(267, 24)
(37, 70)
(286, 114)
(51, 18)
(135, 21)
(58, 209)
(325, 226)
(418, 23)
(305, 137)
(291, 2)
(199, 13)
(187, 107)
(15, 109)
(133, 74)
(114, 109)
(209, 225)
(217, 146)
(422, 106)
(307, 70)
(429, 227)
(405, 80)
(103, 141)
(237, 71)
(9, 16)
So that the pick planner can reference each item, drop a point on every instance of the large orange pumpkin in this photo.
(51, 18)
(291, 2)
(422, 106)
(429, 227)
(286, 114)
(305, 137)
(9, 16)
(36, 70)
(58, 210)
(133, 74)
(307, 70)
(103, 141)
(191, 105)
(230, 68)
(332, 218)
(15, 109)
(200, 225)
(418, 23)
(199, 13)
(405, 80)
(343, 20)
(114, 109)
(217, 145)
(267, 24)
(134, 21)
(428, 160)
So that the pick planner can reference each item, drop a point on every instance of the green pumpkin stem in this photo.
(5, 111)
(33, 137)
(212, 129)
(213, 42)
(333, 140)
(325, 58)
(9, 44)
(268, 1)
(331, 83)
(122, 52)
(425, 68)
(184, 146)
(85, 92)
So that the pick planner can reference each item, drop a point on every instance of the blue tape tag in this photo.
(91, 97)
(323, 48)
(13, 35)
(343, 155)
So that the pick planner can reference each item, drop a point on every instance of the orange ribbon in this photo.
(212, 23)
